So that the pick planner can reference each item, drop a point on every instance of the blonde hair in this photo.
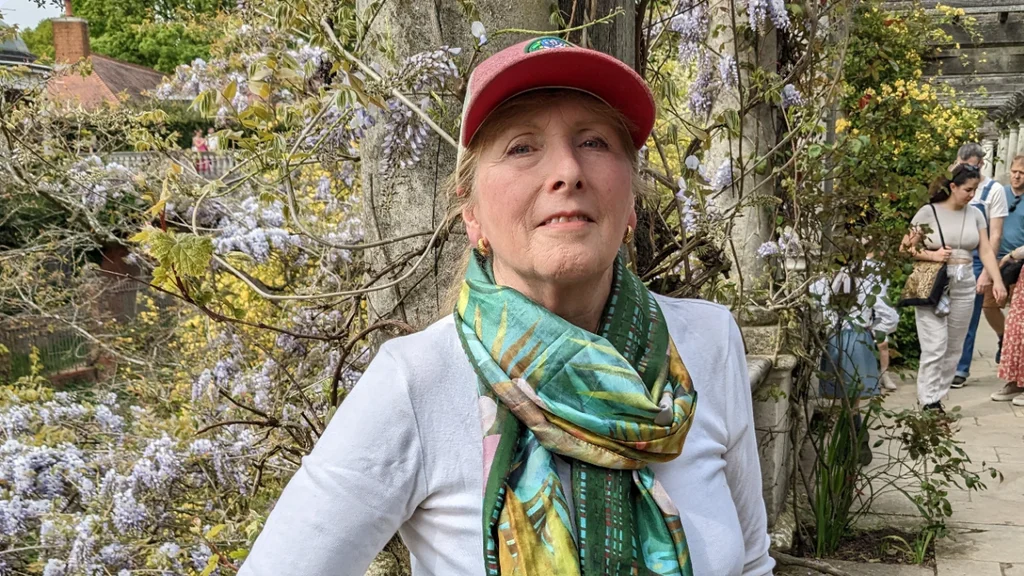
(460, 187)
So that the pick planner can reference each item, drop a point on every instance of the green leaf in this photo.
(211, 565)
(213, 532)
(160, 245)
(190, 254)
(145, 235)
(162, 279)
(231, 90)
(732, 121)
(260, 75)
(856, 145)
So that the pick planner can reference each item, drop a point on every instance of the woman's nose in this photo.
(566, 171)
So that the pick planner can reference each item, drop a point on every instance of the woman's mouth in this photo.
(565, 220)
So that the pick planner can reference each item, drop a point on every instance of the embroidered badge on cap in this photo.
(546, 43)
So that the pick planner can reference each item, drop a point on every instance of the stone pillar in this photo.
(757, 136)
(1020, 144)
(1011, 146)
(1004, 139)
(989, 146)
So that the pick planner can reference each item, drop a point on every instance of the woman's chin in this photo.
(574, 262)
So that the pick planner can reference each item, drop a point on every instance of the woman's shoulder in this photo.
(975, 213)
(711, 346)
(693, 307)
(426, 351)
(430, 368)
(699, 325)
(923, 213)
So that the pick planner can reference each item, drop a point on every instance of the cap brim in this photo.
(574, 68)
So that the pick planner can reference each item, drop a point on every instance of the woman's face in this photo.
(962, 195)
(553, 196)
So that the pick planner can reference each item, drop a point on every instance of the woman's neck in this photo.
(579, 303)
(951, 204)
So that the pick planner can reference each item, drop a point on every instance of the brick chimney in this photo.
(70, 37)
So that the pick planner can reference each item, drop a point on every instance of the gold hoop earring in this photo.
(483, 247)
(628, 238)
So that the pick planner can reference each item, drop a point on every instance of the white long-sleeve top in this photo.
(878, 316)
(404, 453)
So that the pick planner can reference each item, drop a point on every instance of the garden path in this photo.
(988, 526)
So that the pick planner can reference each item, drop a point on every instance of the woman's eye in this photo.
(595, 142)
(517, 149)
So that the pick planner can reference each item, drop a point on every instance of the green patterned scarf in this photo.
(609, 403)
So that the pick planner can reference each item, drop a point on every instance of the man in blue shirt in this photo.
(1013, 237)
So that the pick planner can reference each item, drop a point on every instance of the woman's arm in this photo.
(1015, 254)
(362, 481)
(988, 259)
(911, 244)
(742, 466)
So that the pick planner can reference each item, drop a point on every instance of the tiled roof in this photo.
(110, 77)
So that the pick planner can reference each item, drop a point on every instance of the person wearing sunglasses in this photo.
(991, 201)
(1011, 363)
(949, 229)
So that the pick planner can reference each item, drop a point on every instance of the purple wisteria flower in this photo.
(54, 567)
(48, 493)
(789, 243)
(691, 22)
(767, 250)
(255, 229)
(129, 515)
(723, 176)
(704, 87)
(479, 32)
(727, 71)
(686, 207)
(791, 96)
(760, 11)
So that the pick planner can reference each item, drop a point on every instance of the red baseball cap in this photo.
(550, 62)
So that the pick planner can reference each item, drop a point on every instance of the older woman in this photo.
(540, 428)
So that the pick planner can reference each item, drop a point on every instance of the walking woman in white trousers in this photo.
(949, 229)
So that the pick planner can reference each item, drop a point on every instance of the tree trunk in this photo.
(399, 202)
(617, 38)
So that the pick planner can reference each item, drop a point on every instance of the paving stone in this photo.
(1007, 454)
(978, 454)
(968, 568)
(984, 543)
(992, 435)
(987, 527)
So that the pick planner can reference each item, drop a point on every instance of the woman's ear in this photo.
(632, 218)
(472, 224)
